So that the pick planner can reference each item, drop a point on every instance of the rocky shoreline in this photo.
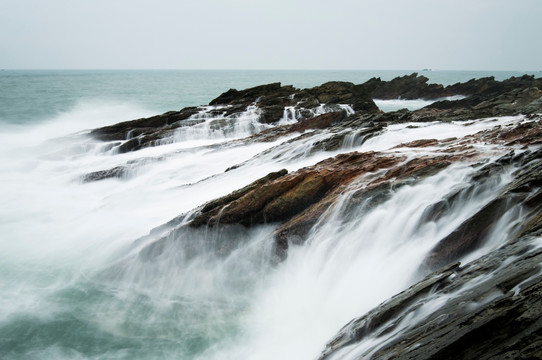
(500, 316)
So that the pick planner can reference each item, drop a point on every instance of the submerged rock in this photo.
(116, 172)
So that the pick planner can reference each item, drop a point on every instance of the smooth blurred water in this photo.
(74, 283)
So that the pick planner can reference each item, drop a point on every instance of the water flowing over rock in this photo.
(476, 291)
(488, 309)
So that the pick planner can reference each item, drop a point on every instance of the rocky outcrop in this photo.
(274, 95)
(134, 128)
(270, 94)
(522, 193)
(484, 98)
(513, 102)
(413, 86)
(484, 310)
(489, 308)
(489, 87)
(273, 199)
(338, 92)
(407, 87)
(299, 199)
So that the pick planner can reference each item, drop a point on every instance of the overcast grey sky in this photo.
(271, 34)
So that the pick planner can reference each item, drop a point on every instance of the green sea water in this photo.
(28, 96)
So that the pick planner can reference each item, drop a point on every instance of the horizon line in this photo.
(238, 69)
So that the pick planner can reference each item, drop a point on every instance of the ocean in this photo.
(73, 281)
(31, 96)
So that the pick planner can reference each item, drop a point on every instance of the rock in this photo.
(478, 317)
(134, 128)
(471, 234)
(489, 308)
(269, 94)
(486, 309)
(339, 92)
(299, 199)
(148, 139)
(212, 208)
(272, 114)
(359, 328)
(489, 87)
(419, 143)
(116, 172)
(486, 97)
(515, 102)
(318, 122)
(408, 87)
(272, 98)
(272, 198)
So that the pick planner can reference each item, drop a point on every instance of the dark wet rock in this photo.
(489, 87)
(116, 172)
(486, 310)
(470, 235)
(152, 138)
(295, 230)
(408, 87)
(485, 98)
(213, 208)
(518, 193)
(269, 94)
(273, 199)
(272, 114)
(274, 95)
(514, 102)
(134, 128)
(272, 98)
(339, 92)
(419, 143)
(319, 122)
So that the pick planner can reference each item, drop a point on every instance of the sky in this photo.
(278, 34)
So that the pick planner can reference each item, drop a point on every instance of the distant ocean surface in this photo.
(30, 96)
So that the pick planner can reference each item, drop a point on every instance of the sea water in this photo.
(73, 281)
(27, 96)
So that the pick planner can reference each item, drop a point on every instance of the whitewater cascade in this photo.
(110, 269)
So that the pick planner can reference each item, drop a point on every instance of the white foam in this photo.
(415, 104)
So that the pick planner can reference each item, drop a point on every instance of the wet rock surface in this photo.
(484, 97)
(273, 199)
(134, 128)
(522, 192)
(408, 87)
(488, 309)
